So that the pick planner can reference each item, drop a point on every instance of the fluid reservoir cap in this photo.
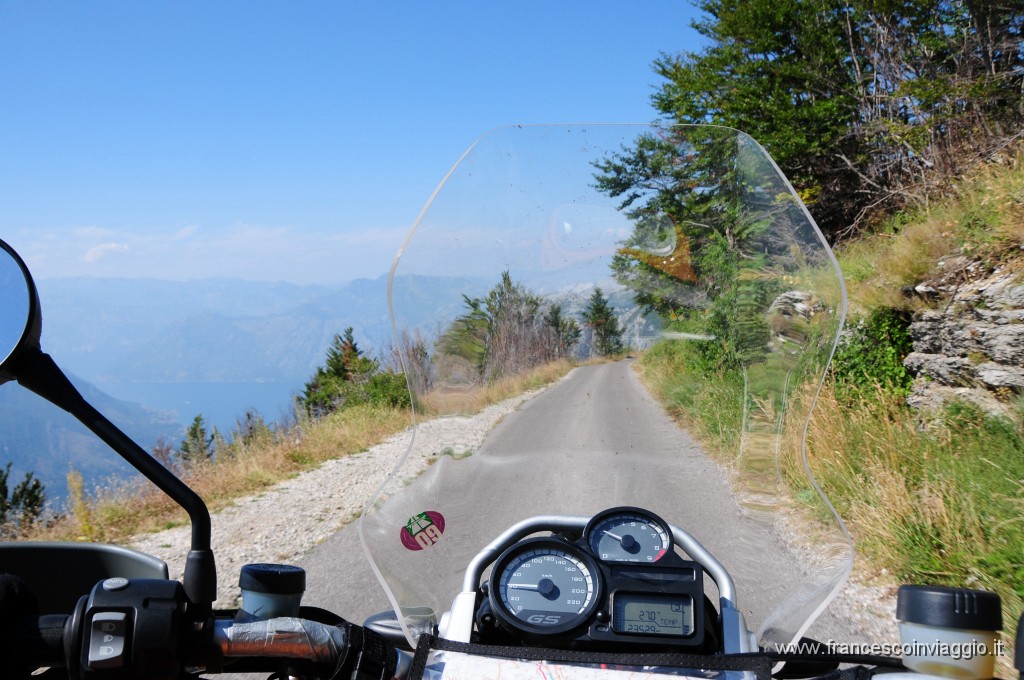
(945, 607)
(277, 579)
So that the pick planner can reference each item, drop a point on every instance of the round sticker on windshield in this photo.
(423, 530)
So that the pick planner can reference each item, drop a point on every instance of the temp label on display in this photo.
(643, 614)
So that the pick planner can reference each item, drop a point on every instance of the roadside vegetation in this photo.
(21, 505)
(931, 497)
(900, 128)
(247, 465)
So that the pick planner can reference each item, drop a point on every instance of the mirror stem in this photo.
(38, 372)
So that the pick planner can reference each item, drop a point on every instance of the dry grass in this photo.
(453, 401)
(983, 220)
(879, 267)
(941, 505)
(116, 512)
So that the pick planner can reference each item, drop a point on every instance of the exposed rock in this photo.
(787, 317)
(972, 348)
(932, 396)
(995, 375)
(946, 370)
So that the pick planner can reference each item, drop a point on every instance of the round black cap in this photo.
(276, 579)
(945, 607)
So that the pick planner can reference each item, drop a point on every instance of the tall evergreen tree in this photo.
(197, 446)
(565, 332)
(600, 317)
(864, 104)
(23, 504)
(349, 377)
(509, 331)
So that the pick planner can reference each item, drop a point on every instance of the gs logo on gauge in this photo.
(544, 586)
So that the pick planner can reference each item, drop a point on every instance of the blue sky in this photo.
(283, 140)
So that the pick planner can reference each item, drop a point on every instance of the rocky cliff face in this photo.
(971, 346)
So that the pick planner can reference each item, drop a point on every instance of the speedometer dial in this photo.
(628, 535)
(544, 585)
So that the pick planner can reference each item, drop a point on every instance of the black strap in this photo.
(759, 664)
(852, 673)
(419, 661)
(368, 656)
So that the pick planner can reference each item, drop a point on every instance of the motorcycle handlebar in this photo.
(291, 638)
(340, 650)
(36, 641)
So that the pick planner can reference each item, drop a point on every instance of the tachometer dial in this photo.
(544, 585)
(628, 535)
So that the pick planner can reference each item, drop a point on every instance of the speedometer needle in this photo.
(545, 587)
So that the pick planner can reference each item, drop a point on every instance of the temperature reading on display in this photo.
(645, 614)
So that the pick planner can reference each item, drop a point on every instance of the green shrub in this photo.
(348, 378)
(871, 356)
(705, 398)
(388, 389)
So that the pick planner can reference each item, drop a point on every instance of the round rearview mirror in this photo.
(19, 308)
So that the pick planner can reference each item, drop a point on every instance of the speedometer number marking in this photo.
(544, 585)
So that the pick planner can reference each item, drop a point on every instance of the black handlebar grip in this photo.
(35, 642)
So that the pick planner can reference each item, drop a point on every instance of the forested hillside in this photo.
(868, 107)
(901, 126)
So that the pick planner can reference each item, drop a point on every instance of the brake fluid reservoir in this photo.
(950, 632)
(271, 590)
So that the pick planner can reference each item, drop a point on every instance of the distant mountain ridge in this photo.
(211, 331)
(38, 437)
(215, 330)
(229, 330)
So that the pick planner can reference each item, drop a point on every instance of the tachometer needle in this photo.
(628, 543)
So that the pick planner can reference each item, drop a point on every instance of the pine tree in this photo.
(600, 317)
(565, 332)
(348, 378)
(198, 444)
(864, 105)
(339, 354)
(24, 504)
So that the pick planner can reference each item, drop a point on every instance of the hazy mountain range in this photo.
(204, 332)
(37, 436)
(214, 330)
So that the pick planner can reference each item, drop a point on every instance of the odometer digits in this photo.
(650, 614)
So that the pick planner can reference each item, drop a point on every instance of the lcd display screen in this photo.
(648, 614)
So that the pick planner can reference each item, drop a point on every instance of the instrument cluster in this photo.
(620, 581)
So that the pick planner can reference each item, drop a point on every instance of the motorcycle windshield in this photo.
(664, 264)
